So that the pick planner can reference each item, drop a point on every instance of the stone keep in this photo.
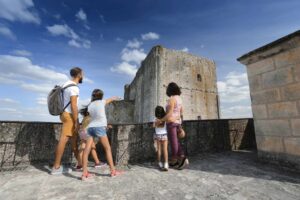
(195, 75)
(274, 78)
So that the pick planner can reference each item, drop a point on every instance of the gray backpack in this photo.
(56, 100)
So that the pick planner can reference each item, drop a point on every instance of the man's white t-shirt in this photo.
(97, 113)
(68, 92)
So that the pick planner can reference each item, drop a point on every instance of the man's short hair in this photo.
(75, 71)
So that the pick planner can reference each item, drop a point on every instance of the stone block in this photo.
(260, 67)
(259, 111)
(270, 144)
(292, 146)
(255, 83)
(277, 78)
(283, 110)
(287, 58)
(296, 126)
(265, 96)
(297, 72)
(291, 92)
(272, 127)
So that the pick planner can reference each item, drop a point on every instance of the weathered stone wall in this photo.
(23, 143)
(196, 76)
(274, 78)
(29, 142)
(120, 112)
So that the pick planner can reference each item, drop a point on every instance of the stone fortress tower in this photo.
(195, 75)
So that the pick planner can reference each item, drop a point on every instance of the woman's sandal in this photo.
(115, 173)
(86, 176)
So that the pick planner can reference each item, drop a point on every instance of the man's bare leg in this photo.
(60, 148)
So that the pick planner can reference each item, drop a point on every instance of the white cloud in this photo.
(62, 29)
(7, 32)
(235, 88)
(65, 30)
(22, 53)
(74, 43)
(81, 15)
(125, 68)
(134, 43)
(8, 101)
(57, 16)
(118, 39)
(234, 96)
(41, 100)
(240, 111)
(150, 36)
(133, 55)
(19, 10)
(21, 72)
(185, 49)
(102, 19)
(39, 88)
(20, 67)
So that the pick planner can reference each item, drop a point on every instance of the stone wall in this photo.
(23, 143)
(120, 112)
(274, 78)
(195, 75)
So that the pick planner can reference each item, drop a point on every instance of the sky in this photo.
(40, 40)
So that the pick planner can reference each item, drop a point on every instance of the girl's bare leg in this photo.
(80, 154)
(105, 143)
(86, 153)
(158, 151)
(165, 150)
(94, 154)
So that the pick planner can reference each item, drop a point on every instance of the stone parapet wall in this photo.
(23, 143)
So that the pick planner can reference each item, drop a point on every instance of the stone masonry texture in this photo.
(273, 73)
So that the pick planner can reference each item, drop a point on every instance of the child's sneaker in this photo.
(100, 164)
(86, 176)
(61, 170)
(166, 166)
(115, 173)
(160, 165)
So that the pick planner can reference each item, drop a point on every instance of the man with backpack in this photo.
(63, 101)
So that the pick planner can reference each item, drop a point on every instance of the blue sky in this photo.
(40, 40)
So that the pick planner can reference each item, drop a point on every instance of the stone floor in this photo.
(234, 175)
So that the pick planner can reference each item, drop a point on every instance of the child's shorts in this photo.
(160, 137)
(96, 132)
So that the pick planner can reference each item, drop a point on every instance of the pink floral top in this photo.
(177, 108)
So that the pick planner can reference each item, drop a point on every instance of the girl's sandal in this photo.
(86, 176)
(115, 173)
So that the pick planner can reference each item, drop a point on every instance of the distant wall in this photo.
(274, 79)
(23, 143)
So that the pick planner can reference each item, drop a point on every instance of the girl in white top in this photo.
(97, 129)
(161, 138)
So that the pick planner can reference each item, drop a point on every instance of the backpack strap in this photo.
(70, 85)
(67, 86)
